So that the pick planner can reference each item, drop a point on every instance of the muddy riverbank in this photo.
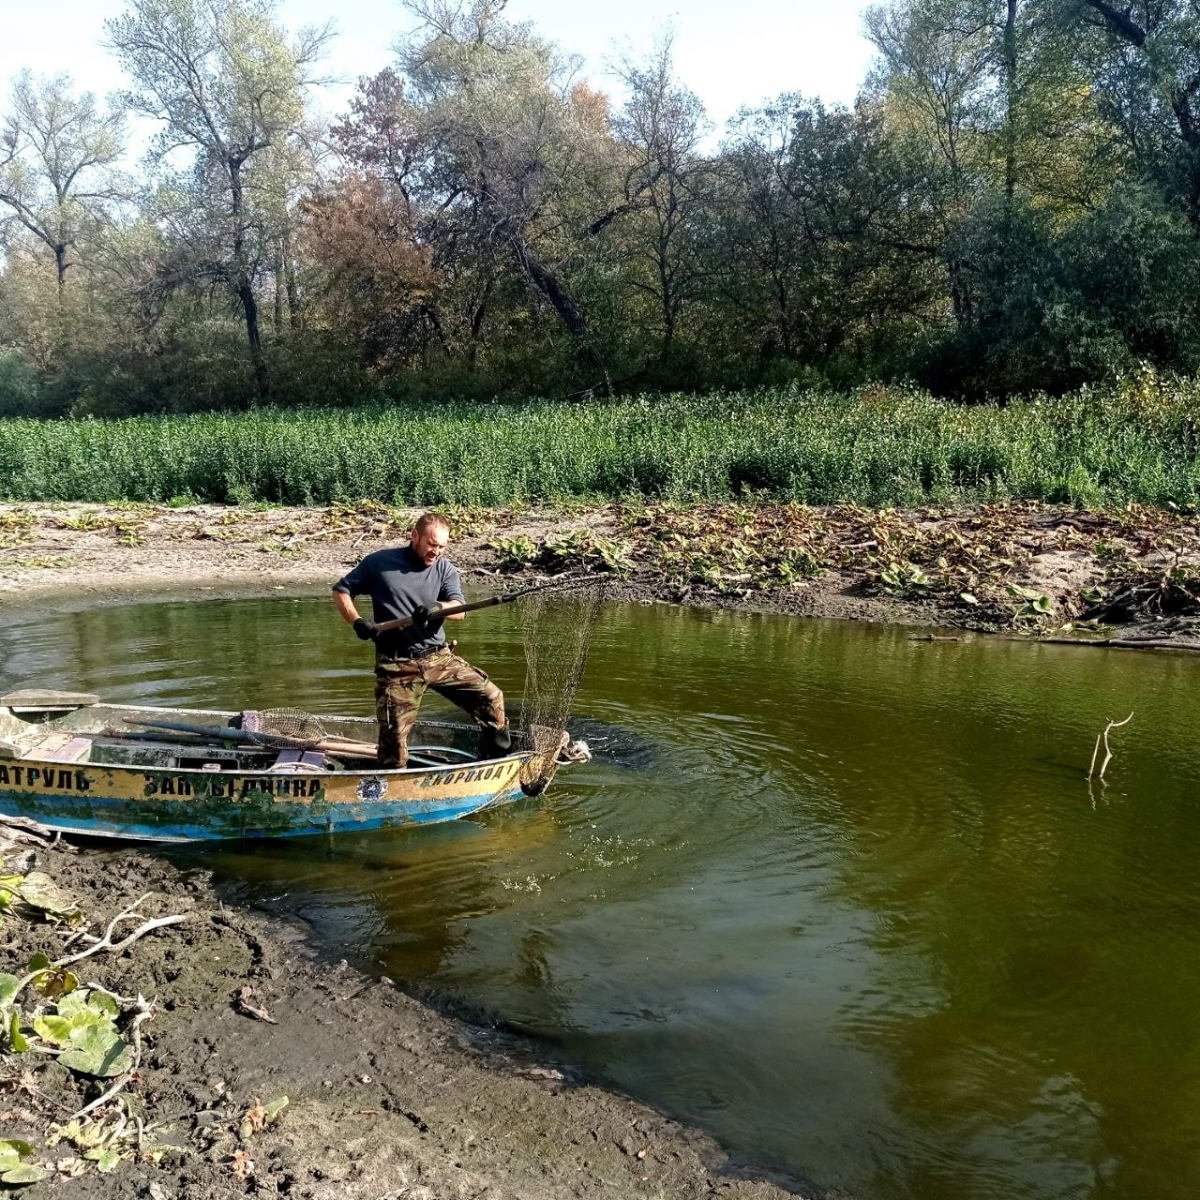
(1021, 567)
(385, 1097)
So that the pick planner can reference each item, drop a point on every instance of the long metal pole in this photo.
(452, 609)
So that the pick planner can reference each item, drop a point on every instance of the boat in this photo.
(77, 765)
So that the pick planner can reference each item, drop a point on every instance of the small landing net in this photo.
(284, 722)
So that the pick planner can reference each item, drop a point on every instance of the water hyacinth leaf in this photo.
(1022, 593)
(77, 1010)
(275, 1108)
(53, 1029)
(49, 981)
(18, 1043)
(23, 1174)
(9, 986)
(86, 1007)
(11, 1153)
(52, 984)
(105, 1160)
(12, 1170)
(102, 1002)
(40, 893)
(97, 1050)
(8, 889)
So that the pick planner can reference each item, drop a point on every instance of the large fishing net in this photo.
(557, 630)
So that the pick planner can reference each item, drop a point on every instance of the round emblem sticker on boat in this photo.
(372, 789)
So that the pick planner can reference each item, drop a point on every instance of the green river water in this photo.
(844, 899)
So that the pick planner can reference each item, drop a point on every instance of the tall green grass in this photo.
(893, 446)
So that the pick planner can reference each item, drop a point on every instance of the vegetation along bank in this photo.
(1139, 440)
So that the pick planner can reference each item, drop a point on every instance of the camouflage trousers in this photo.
(401, 682)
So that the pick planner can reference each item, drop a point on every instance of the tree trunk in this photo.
(561, 301)
(960, 293)
(250, 309)
(293, 294)
(1010, 104)
(244, 287)
(279, 286)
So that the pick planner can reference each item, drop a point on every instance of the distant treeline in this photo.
(880, 446)
(1012, 204)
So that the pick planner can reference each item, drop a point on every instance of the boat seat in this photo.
(60, 747)
(291, 762)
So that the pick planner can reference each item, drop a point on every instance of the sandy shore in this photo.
(1030, 569)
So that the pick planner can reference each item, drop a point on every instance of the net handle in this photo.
(455, 607)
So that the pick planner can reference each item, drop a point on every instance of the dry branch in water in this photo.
(1103, 737)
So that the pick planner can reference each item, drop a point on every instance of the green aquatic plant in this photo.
(1033, 606)
(904, 580)
(13, 1171)
(84, 1027)
(516, 553)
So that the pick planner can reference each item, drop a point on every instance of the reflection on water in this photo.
(843, 898)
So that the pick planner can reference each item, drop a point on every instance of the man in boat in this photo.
(407, 581)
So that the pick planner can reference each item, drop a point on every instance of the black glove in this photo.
(364, 629)
(424, 622)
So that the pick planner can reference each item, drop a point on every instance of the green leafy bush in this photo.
(1138, 439)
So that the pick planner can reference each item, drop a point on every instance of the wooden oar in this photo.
(453, 608)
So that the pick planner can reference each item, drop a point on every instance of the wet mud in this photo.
(386, 1097)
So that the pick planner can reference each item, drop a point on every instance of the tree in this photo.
(667, 182)
(56, 155)
(379, 277)
(995, 92)
(935, 57)
(504, 146)
(816, 247)
(228, 86)
(1148, 71)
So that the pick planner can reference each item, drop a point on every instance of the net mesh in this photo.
(557, 629)
(284, 722)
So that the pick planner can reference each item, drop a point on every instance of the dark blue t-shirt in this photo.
(398, 582)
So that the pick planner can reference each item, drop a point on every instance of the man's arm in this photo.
(345, 605)
(354, 584)
(451, 592)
